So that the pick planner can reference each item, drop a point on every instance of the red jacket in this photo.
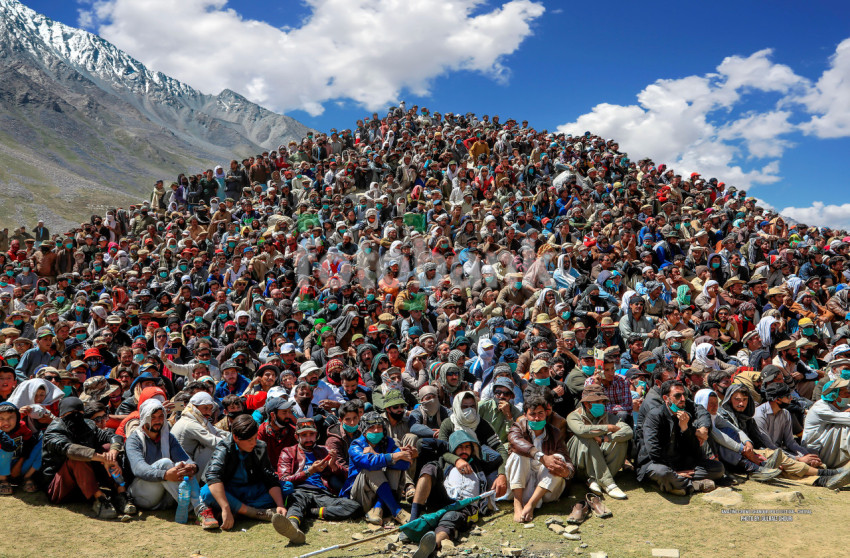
(292, 466)
(276, 441)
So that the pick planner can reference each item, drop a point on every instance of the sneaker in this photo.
(614, 492)
(207, 519)
(704, 485)
(401, 517)
(765, 474)
(593, 486)
(375, 516)
(427, 544)
(838, 481)
(103, 509)
(288, 528)
(124, 504)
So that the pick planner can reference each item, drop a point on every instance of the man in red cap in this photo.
(94, 360)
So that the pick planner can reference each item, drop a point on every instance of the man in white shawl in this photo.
(194, 431)
(159, 464)
(827, 426)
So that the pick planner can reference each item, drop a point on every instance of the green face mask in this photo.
(687, 299)
(537, 424)
(350, 429)
(597, 409)
(67, 390)
(17, 322)
(374, 437)
(542, 381)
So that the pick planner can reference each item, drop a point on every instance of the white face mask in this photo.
(469, 414)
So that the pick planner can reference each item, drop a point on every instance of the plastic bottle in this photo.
(117, 477)
(184, 497)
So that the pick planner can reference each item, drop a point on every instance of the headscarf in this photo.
(462, 423)
(191, 410)
(146, 412)
(432, 408)
(701, 356)
(683, 291)
(24, 394)
(748, 379)
(764, 331)
(443, 370)
(414, 352)
(702, 397)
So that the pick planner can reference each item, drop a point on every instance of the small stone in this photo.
(583, 545)
(323, 530)
(792, 497)
(601, 525)
(571, 529)
(554, 520)
(358, 536)
(126, 519)
(520, 536)
(506, 543)
(528, 526)
(572, 537)
(391, 538)
(476, 532)
(510, 551)
(665, 553)
(725, 497)
(598, 555)
(448, 545)
(577, 550)
(464, 540)
(391, 547)
(555, 528)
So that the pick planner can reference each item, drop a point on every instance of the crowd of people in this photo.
(385, 320)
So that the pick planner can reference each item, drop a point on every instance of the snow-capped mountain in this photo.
(81, 120)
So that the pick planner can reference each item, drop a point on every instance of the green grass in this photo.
(645, 521)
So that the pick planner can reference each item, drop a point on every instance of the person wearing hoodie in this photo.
(22, 460)
(827, 426)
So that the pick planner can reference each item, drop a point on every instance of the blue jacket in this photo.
(359, 461)
(222, 391)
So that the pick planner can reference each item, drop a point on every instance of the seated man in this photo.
(798, 463)
(152, 451)
(374, 471)
(671, 454)
(310, 468)
(500, 411)
(72, 447)
(539, 466)
(426, 418)
(451, 485)
(620, 406)
(194, 431)
(341, 435)
(398, 428)
(240, 478)
(278, 431)
(827, 426)
(23, 460)
(598, 449)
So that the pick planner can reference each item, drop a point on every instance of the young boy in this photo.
(8, 382)
(21, 456)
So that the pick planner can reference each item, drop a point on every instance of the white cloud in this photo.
(366, 50)
(85, 19)
(837, 216)
(685, 122)
(829, 99)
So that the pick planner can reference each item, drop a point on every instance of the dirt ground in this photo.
(647, 520)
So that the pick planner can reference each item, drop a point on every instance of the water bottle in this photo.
(184, 497)
(117, 476)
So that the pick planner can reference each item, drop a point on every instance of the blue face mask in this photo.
(609, 284)
(808, 331)
(588, 370)
(370, 297)
(542, 381)
(642, 384)
(513, 366)
(518, 285)
(597, 409)
(499, 330)
(333, 306)
(675, 345)
(651, 366)
(537, 424)
(350, 429)
(460, 333)
(60, 299)
(374, 437)
(715, 265)
(675, 408)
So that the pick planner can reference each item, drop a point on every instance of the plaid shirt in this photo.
(619, 394)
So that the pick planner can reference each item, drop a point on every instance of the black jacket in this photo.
(225, 460)
(665, 443)
(61, 444)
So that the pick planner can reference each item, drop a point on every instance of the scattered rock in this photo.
(554, 520)
(578, 550)
(476, 532)
(391, 547)
(792, 497)
(726, 497)
(598, 555)
(520, 537)
(583, 545)
(323, 530)
(528, 526)
(665, 553)
(448, 545)
(556, 528)
(391, 538)
(506, 543)
(572, 537)
(572, 529)
(510, 551)
(464, 540)
(358, 536)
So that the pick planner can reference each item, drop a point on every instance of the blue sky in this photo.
(748, 120)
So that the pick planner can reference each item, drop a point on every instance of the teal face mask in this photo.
(60, 299)
(542, 381)
(513, 366)
(675, 408)
(80, 336)
(258, 307)
(17, 323)
(609, 284)
(566, 315)
(198, 319)
(367, 250)
(379, 206)
(808, 331)
(651, 366)
(537, 424)
(597, 410)
(845, 374)
(222, 317)
(687, 299)
(678, 226)
(374, 437)
(80, 308)
(675, 345)
(350, 429)
(588, 370)
(12, 362)
(715, 265)
(67, 390)
(518, 285)
(163, 274)
(139, 357)
(184, 268)
(642, 384)
(370, 297)
(333, 306)
(39, 303)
